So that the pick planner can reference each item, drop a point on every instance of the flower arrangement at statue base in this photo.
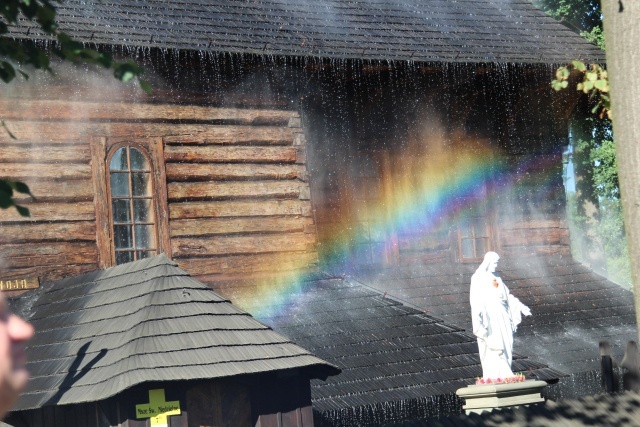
(517, 378)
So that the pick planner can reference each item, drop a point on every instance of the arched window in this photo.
(130, 196)
(133, 213)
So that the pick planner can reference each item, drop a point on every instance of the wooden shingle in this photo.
(101, 333)
(477, 31)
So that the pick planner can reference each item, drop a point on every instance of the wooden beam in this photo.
(58, 191)
(20, 109)
(36, 153)
(156, 151)
(57, 232)
(273, 262)
(101, 202)
(65, 133)
(50, 271)
(239, 209)
(45, 171)
(46, 212)
(225, 190)
(54, 253)
(189, 172)
(222, 226)
(183, 247)
(506, 224)
(551, 236)
(217, 154)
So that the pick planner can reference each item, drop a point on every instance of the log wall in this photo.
(236, 184)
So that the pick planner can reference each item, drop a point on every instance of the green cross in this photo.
(157, 409)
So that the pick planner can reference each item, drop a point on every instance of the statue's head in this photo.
(490, 262)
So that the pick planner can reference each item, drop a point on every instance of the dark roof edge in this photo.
(409, 57)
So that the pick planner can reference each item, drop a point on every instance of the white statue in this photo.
(495, 314)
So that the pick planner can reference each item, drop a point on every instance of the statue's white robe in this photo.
(495, 314)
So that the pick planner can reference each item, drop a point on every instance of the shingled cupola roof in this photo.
(101, 333)
(503, 31)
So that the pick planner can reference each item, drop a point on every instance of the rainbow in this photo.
(425, 196)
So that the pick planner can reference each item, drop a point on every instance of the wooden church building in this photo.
(337, 169)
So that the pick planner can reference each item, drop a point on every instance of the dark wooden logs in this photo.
(230, 184)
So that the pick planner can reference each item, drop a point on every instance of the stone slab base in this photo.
(486, 397)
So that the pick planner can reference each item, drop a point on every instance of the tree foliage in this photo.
(595, 83)
(585, 17)
(17, 56)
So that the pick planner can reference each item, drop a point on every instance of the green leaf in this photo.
(602, 85)
(591, 76)
(579, 65)
(146, 86)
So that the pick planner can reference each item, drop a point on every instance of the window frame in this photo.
(381, 178)
(489, 229)
(102, 149)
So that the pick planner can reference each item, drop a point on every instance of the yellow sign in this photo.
(157, 409)
(19, 284)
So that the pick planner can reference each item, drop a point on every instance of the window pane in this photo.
(480, 226)
(122, 257)
(362, 232)
(363, 254)
(378, 253)
(123, 238)
(145, 236)
(465, 228)
(467, 248)
(121, 210)
(138, 160)
(145, 254)
(142, 210)
(482, 246)
(141, 184)
(377, 232)
(119, 160)
(119, 184)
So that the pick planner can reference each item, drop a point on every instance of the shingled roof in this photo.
(605, 410)
(573, 308)
(505, 31)
(101, 333)
(389, 354)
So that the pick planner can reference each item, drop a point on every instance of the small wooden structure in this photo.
(145, 344)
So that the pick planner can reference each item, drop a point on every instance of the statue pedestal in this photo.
(486, 397)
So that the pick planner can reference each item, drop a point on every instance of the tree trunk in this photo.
(622, 33)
